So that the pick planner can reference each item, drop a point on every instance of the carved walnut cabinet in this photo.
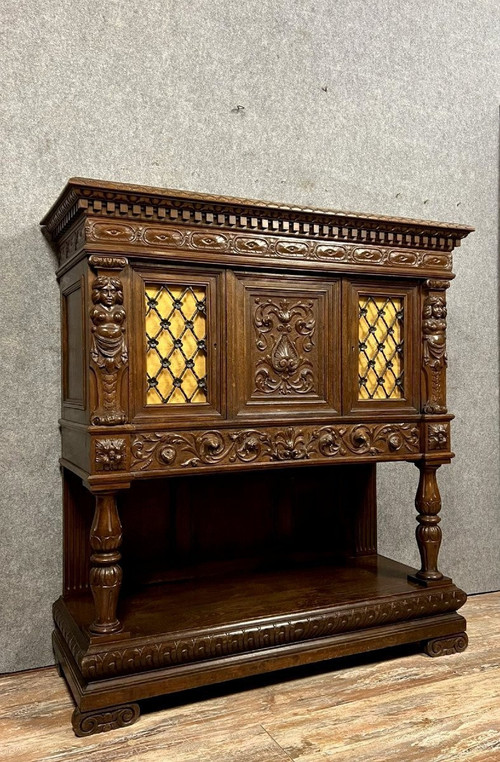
(233, 371)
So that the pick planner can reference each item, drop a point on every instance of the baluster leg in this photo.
(105, 572)
(428, 532)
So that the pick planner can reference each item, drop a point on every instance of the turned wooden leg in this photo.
(105, 572)
(102, 720)
(428, 533)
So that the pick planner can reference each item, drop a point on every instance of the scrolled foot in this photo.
(453, 644)
(88, 723)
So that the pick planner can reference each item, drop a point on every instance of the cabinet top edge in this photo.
(67, 205)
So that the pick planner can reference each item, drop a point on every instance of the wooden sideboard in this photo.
(233, 371)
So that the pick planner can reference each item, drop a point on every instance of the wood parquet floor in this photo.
(376, 708)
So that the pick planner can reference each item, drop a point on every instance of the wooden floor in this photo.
(376, 708)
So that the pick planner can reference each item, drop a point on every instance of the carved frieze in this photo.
(284, 337)
(181, 450)
(434, 351)
(108, 351)
(229, 242)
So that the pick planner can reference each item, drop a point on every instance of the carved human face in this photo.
(439, 309)
(107, 291)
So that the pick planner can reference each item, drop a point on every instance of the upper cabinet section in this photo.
(163, 224)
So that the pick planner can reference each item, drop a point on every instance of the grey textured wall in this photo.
(388, 107)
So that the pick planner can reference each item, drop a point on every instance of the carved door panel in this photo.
(284, 345)
(178, 339)
(380, 346)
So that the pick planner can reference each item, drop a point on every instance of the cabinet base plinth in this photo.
(332, 612)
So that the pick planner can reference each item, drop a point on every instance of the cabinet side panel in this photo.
(73, 360)
(78, 512)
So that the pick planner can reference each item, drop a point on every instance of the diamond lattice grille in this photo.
(176, 354)
(380, 364)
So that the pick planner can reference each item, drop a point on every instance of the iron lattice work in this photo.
(380, 365)
(176, 344)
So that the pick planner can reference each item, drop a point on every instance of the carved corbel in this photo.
(434, 359)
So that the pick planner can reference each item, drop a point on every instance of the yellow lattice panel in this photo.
(176, 361)
(380, 363)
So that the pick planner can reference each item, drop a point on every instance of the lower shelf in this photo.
(185, 634)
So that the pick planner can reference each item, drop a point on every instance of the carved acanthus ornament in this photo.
(181, 450)
(108, 351)
(284, 335)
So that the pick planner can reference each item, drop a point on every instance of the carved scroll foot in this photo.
(452, 644)
(100, 721)
(105, 572)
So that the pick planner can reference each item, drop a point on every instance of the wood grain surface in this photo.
(403, 707)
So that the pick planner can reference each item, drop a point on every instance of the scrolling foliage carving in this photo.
(180, 450)
(284, 336)
(434, 354)
(108, 351)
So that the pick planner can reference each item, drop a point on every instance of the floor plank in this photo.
(369, 708)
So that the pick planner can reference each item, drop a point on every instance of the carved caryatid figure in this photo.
(435, 359)
(108, 350)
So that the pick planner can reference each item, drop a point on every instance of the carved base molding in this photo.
(89, 723)
(455, 644)
(112, 659)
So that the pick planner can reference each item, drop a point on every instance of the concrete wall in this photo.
(386, 107)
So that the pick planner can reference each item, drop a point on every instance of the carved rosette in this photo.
(110, 455)
(434, 347)
(181, 450)
(284, 331)
(108, 350)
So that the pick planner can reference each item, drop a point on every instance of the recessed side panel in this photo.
(73, 370)
(285, 345)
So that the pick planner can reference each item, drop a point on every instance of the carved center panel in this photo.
(284, 338)
(290, 342)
